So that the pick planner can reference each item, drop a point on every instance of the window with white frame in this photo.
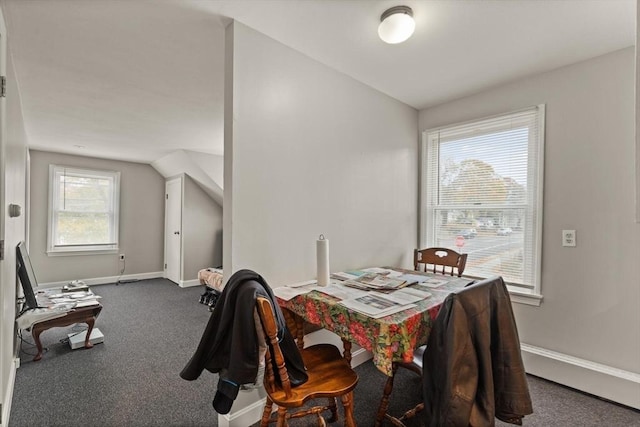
(482, 195)
(83, 210)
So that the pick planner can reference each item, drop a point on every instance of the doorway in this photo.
(173, 230)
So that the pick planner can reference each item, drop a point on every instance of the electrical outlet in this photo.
(569, 238)
(121, 257)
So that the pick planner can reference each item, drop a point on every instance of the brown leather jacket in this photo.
(472, 368)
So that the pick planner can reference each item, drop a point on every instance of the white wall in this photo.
(591, 292)
(12, 178)
(309, 150)
(637, 113)
(141, 222)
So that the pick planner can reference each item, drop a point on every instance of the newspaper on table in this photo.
(414, 278)
(375, 305)
(30, 317)
(338, 290)
(433, 282)
(293, 290)
(383, 271)
(354, 274)
(406, 295)
(375, 281)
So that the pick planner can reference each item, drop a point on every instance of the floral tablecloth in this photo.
(391, 338)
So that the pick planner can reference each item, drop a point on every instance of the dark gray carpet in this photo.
(553, 405)
(151, 329)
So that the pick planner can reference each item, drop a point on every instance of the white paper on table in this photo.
(292, 290)
(87, 303)
(340, 291)
(386, 271)
(397, 309)
(31, 317)
(287, 293)
(414, 278)
(417, 291)
(305, 283)
(89, 297)
(405, 296)
(433, 282)
(77, 294)
(376, 313)
(344, 276)
(61, 300)
(372, 303)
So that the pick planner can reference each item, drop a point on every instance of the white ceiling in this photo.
(137, 79)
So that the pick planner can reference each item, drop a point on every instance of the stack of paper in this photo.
(374, 305)
(68, 300)
(378, 305)
(32, 316)
(376, 281)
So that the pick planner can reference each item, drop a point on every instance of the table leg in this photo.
(87, 341)
(384, 402)
(38, 328)
(35, 333)
(347, 349)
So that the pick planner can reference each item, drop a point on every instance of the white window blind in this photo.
(482, 194)
(83, 210)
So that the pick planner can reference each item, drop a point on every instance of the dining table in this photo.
(391, 338)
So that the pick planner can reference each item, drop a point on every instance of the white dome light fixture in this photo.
(396, 24)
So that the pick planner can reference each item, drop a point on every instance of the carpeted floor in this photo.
(152, 328)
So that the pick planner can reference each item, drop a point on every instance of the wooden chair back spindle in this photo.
(439, 260)
(276, 357)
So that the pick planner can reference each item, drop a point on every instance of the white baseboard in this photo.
(8, 393)
(106, 280)
(594, 378)
(360, 356)
(246, 410)
(189, 283)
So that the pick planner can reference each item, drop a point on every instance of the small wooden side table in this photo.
(77, 315)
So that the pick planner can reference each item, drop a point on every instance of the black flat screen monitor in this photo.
(27, 276)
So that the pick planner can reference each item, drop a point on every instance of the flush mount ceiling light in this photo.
(396, 24)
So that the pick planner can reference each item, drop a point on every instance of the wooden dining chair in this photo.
(436, 260)
(439, 260)
(329, 376)
(298, 327)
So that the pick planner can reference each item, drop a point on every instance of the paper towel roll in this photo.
(322, 253)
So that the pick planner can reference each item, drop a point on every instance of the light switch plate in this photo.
(569, 238)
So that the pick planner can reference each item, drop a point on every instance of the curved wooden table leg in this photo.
(384, 402)
(87, 341)
(82, 315)
(35, 333)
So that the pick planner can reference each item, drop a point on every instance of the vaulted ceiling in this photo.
(136, 80)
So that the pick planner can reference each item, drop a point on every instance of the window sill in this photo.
(518, 294)
(527, 298)
(77, 252)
